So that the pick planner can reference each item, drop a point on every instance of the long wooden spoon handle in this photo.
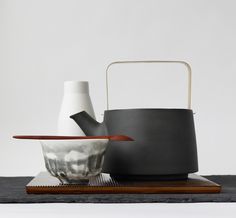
(51, 137)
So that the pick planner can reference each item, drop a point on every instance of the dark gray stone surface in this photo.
(12, 190)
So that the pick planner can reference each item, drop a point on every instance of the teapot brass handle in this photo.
(153, 61)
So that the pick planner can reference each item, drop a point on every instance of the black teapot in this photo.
(164, 145)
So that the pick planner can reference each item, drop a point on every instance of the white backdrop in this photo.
(43, 43)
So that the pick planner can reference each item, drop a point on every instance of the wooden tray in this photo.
(44, 183)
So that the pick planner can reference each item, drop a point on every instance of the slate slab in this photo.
(12, 190)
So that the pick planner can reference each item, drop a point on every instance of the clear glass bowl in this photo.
(74, 161)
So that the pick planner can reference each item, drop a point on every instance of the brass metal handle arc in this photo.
(148, 62)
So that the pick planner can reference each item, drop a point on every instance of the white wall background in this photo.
(45, 42)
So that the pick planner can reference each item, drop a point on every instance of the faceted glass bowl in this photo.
(74, 161)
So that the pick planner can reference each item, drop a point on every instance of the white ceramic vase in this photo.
(76, 99)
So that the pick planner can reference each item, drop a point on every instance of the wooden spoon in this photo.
(52, 137)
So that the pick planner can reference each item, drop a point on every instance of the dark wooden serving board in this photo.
(44, 183)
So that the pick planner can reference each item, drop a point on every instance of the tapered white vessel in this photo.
(75, 99)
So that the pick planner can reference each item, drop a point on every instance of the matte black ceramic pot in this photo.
(164, 143)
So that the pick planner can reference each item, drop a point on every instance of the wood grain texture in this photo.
(44, 183)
